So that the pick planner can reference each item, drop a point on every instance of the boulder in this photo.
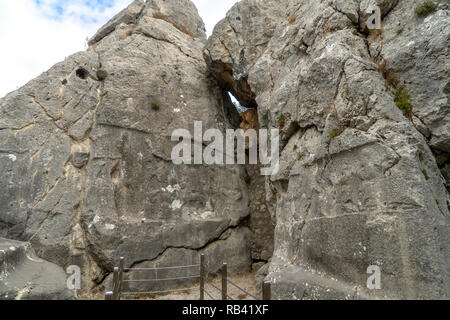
(360, 183)
(85, 150)
(24, 276)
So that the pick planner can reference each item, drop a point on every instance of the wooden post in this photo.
(121, 270)
(115, 283)
(202, 277)
(224, 281)
(109, 295)
(266, 289)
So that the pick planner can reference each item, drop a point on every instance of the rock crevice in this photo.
(85, 148)
(337, 201)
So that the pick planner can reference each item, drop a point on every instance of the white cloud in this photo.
(33, 40)
(35, 37)
(212, 11)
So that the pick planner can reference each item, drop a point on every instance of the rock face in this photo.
(230, 56)
(85, 152)
(360, 183)
(23, 276)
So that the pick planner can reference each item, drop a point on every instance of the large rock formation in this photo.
(85, 152)
(23, 276)
(85, 149)
(360, 181)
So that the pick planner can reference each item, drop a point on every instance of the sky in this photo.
(36, 34)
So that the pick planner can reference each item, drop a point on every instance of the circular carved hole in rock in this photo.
(82, 73)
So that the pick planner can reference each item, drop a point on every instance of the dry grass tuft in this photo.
(159, 15)
(292, 18)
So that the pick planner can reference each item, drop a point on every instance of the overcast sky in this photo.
(36, 34)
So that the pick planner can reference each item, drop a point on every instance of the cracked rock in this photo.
(358, 183)
(23, 276)
(93, 178)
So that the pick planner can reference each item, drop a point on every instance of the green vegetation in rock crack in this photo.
(292, 18)
(156, 105)
(128, 184)
(102, 75)
(300, 155)
(425, 174)
(399, 31)
(335, 133)
(276, 193)
(438, 203)
(281, 121)
(443, 171)
(64, 172)
(402, 99)
(426, 8)
(347, 91)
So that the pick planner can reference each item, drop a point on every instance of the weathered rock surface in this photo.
(260, 222)
(85, 151)
(238, 41)
(23, 276)
(417, 50)
(232, 247)
(359, 183)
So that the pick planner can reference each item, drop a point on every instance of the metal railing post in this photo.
(120, 280)
(115, 283)
(109, 295)
(266, 290)
(202, 277)
(224, 281)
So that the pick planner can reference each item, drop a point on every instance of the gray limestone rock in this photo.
(86, 168)
(24, 276)
(85, 149)
(359, 183)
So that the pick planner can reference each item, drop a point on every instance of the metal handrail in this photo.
(162, 268)
(118, 282)
(218, 289)
(209, 295)
(246, 292)
(159, 292)
(167, 279)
